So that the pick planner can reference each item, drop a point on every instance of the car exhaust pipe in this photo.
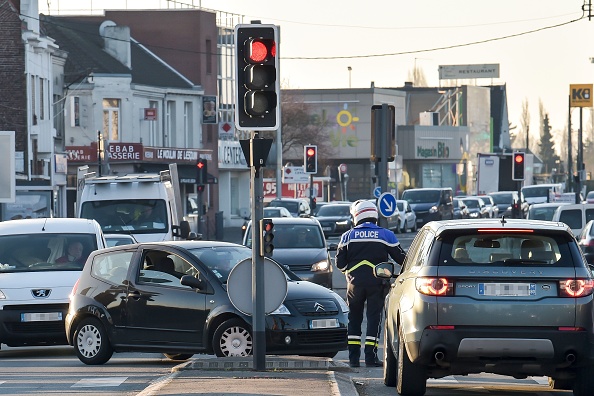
(439, 356)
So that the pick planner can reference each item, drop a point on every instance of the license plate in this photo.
(41, 317)
(326, 228)
(323, 323)
(507, 289)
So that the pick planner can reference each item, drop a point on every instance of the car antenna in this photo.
(503, 220)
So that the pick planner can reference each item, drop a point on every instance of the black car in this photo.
(171, 297)
(335, 218)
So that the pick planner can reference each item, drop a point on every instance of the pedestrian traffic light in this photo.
(310, 159)
(258, 86)
(266, 246)
(518, 166)
(201, 173)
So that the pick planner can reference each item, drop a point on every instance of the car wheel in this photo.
(91, 343)
(233, 338)
(414, 229)
(411, 379)
(584, 381)
(390, 362)
(403, 228)
(178, 356)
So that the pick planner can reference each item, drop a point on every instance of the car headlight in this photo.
(433, 209)
(342, 223)
(474, 214)
(343, 305)
(320, 266)
(282, 310)
(509, 208)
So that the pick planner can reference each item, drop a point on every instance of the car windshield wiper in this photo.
(523, 261)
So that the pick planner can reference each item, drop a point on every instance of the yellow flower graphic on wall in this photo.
(345, 119)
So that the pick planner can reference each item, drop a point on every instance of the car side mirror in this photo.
(333, 247)
(194, 283)
(385, 270)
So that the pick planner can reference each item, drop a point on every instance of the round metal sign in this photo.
(239, 286)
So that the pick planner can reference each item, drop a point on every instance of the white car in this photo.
(408, 217)
(119, 239)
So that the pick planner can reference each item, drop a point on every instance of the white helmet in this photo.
(363, 209)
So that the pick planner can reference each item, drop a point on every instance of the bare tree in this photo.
(417, 76)
(525, 123)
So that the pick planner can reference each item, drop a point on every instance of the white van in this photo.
(575, 216)
(37, 274)
(540, 193)
(141, 205)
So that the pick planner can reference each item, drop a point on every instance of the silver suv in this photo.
(509, 297)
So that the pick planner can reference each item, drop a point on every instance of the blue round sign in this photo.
(386, 204)
(377, 192)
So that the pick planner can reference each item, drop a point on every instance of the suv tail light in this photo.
(576, 287)
(434, 286)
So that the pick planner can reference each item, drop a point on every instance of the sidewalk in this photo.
(284, 376)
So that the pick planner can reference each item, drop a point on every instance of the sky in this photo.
(542, 46)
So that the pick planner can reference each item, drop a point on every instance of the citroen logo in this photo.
(319, 307)
(41, 293)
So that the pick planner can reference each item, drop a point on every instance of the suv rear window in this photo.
(521, 249)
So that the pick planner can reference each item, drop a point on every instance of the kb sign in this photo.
(580, 95)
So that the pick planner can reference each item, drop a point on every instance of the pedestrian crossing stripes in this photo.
(99, 382)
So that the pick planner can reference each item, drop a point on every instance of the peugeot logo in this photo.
(41, 293)
(319, 307)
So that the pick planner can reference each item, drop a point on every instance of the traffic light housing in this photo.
(201, 173)
(266, 246)
(518, 166)
(258, 86)
(310, 159)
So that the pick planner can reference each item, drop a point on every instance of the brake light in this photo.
(576, 287)
(441, 327)
(505, 230)
(434, 286)
(73, 292)
(565, 328)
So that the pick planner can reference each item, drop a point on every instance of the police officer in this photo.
(359, 250)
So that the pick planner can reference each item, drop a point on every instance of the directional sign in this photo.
(377, 192)
(387, 204)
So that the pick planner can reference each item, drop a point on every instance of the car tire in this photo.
(390, 361)
(414, 229)
(91, 343)
(411, 378)
(584, 381)
(233, 338)
(178, 356)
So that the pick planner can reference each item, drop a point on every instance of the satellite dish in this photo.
(239, 286)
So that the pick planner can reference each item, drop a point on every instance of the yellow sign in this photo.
(580, 95)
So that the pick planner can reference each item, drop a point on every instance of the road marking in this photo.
(99, 382)
(445, 380)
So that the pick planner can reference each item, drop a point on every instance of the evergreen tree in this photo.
(546, 150)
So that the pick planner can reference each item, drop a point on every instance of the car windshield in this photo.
(124, 216)
(272, 212)
(511, 249)
(291, 206)
(542, 213)
(222, 259)
(502, 198)
(471, 203)
(335, 210)
(530, 192)
(45, 252)
(400, 206)
(487, 200)
(421, 196)
(294, 236)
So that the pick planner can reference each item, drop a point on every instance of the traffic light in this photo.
(201, 173)
(518, 166)
(310, 159)
(266, 246)
(258, 86)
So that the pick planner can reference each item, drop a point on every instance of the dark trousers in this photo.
(357, 296)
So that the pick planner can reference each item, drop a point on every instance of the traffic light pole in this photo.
(258, 320)
(381, 134)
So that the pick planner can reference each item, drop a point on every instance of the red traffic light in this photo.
(311, 151)
(518, 158)
(260, 50)
(200, 165)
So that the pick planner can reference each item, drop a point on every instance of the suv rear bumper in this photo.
(480, 347)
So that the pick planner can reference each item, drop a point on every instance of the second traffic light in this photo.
(518, 166)
(310, 159)
(201, 172)
(266, 246)
(258, 86)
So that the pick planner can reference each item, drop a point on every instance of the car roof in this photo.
(548, 204)
(496, 224)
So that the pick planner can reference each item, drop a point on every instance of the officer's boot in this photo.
(354, 355)
(371, 359)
